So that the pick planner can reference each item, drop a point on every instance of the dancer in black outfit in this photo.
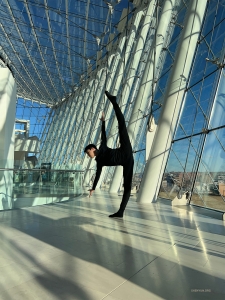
(106, 156)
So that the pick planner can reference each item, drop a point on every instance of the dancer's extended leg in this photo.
(124, 137)
(128, 156)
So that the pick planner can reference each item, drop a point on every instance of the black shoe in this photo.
(116, 215)
(110, 97)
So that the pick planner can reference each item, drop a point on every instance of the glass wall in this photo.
(197, 159)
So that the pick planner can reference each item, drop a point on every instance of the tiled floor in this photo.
(73, 250)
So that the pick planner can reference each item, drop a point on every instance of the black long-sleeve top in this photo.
(106, 156)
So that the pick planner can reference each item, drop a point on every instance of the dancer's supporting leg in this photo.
(127, 176)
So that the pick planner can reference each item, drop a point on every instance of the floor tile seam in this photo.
(83, 208)
(43, 234)
(153, 227)
(35, 261)
(182, 239)
(192, 247)
(5, 290)
(135, 274)
(47, 212)
(32, 277)
(35, 244)
(47, 219)
(211, 252)
(114, 289)
(212, 244)
(182, 236)
(146, 233)
(206, 240)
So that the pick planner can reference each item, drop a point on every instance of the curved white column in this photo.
(145, 86)
(81, 116)
(89, 163)
(120, 72)
(173, 101)
(58, 151)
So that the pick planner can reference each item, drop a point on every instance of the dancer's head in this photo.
(91, 150)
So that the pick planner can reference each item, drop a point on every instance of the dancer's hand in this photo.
(102, 117)
(90, 193)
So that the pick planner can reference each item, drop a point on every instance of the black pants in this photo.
(127, 154)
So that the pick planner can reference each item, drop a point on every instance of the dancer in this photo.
(106, 156)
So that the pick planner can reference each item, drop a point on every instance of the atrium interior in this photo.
(164, 61)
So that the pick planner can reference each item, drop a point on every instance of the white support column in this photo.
(97, 94)
(173, 101)
(60, 155)
(65, 132)
(88, 162)
(95, 101)
(70, 126)
(145, 86)
(52, 135)
(46, 149)
(58, 130)
(47, 127)
(7, 136)
(71, 141)
(61, 132)
(77, 143)
(91, 111)
(113, 71)
(120, 75)
(129, 46)
(138, 51)
(117, 51)
(117, 72)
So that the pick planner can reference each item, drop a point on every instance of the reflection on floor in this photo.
(73, 250)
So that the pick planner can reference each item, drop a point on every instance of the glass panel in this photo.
(30, 187)
(210, 180)
(181, 167)
(218, 113)
(43, 177)
(139, 165)
(196, 110)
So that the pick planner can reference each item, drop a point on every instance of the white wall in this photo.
(7, 121)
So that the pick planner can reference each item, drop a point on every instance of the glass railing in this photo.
(30, 187)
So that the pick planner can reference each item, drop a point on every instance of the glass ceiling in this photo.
(50, 44)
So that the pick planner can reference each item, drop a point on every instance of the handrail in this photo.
(39, 170)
